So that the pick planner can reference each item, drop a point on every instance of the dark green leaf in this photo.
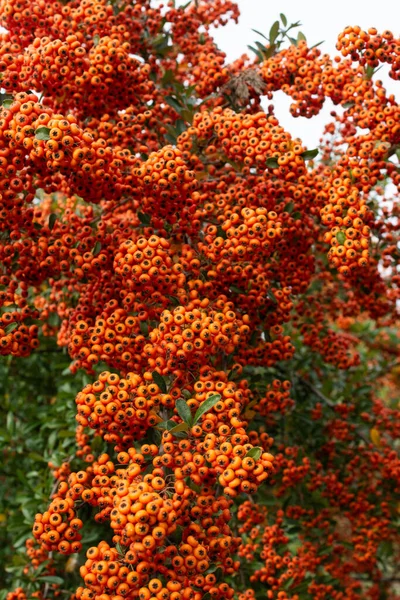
(289, 207)
(183, 411)
(272, 163)
(257, 53)
(259, 33)
(206, 406)
(310, 154)
(52, 220)
(144, 328)
(283, 19)
(144, 218)
(96, 249)
(9, 328)
(160, 381)
(173, 103)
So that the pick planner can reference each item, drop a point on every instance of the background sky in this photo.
(321, 21)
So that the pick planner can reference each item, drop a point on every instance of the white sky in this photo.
(321, 20)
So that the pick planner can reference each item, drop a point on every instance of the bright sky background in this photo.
(321, 20)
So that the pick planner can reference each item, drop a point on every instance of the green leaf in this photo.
(183, 411)
(272, 297)
(259, 33)
(40, 194)
(42, 133)
(206, 406)
(144, 218)
(51, 579)
(144, 328)
(272, 163)
(310, 154)
(178, 428)
(274, 32)
(160, 381)
(11, 327)
(96, 249)
(289, 207)
(341, 237)
(283, 19)
(52, 220)
(369, 71)
(296, 215)
(348, 104)
(254, 453)
(301, 36)
(7, 102)
(173, 103)
(259, 54)
(96, 39)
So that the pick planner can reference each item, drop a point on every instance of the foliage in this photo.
(199, 322)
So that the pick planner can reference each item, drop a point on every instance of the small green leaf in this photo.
(52, 220)
(96, 249)
(96, 39)
(144, 328)
(296, 215)
(288, 207)
(173, 103)
(369, 71)
(283, 19)
(178, 428)
(310, 154)
(348, 104)
(257, 53)
(144, 218)
(259, 33)
(40, 194)
(166, 424)
(274, 32)
(7, 102)
(206, 406)
(160, 381)
(341, 237)
(272, 163)
(42, 133)
(254, 453)
(11, 327)
(272, 297)
(301, 36)
(51, 579)
(183, 411)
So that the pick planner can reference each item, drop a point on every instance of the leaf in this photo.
(179, 427)
(301, 36)
(283, 19)
(274, 32)
(341, 237)
(289, 207)
(310, 154)
(42, 133)
(144, 218)
(144, 328)
(96, 249)
(259, 33)
(296, 215)
(160, 381)
(11, 327)
(183, 411)
(96, 39)
(52, 220)
(348, 104)
(173, 103)
(51, 579)
(272, 297)
(206, 406)
(257, 53)
(7, 102)
(317, 44)
(254, 453)
(272, 163)
(369, 71)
